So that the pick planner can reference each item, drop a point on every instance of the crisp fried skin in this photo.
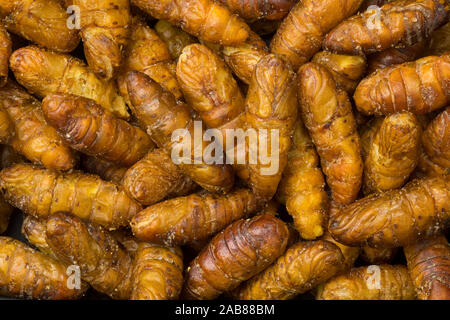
(205, 19)
(302, 186)
(27, 273)
(303, 266)
(271, 105)
(392, 56)
(378, 255)
(440, 41)
(175, 38)
(108, 171)
(160, 115)
(393, 153)
(379, 29)
(154, 178)
(157, 273)
(40, 192)
(103, 262)
(43, 22)
(367, 133)
(419, 87)
(395, 218)
(7, 130)
(34, 230)
(327, 114)
(383, 282)
(347, 70)
(5, 212)
(33, 137)
(436, 140)
(45, 72)
(5, 52)
(147, 53)
(251, 10)
(301, 33)
(350, 253)
(105, 31)
(87, 127)
(236, 254)
(429, 267)
(195, 217)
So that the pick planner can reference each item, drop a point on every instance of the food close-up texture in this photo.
(225, 149)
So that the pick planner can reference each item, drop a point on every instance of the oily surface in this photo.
(5, 52)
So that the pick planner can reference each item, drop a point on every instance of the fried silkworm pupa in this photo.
(378, 29)
(87, 127)
(327, 114)
(378, 255)
(33, 137)
(41, 192)
(6, 127)
(154, 178)
(303, 266)
(44, 22)
(30, 274)
(108, 171)
(206, 19)
(394, 218)
(34, 230)
(418, 87)
(393, 153)
(271, 107)
(44, 72)
(251, 10)
(157, 273)
(375, 282)
(301, 33)
(160, 115)
(147, 53)
(175, 38)
(439, 41)
(429, 267)
(192, 218)
(5, 212)
(5, 52)
(236, 254)
(350, 253)
(347, 70)
(103, 262)
(105, 31)
(302, 187)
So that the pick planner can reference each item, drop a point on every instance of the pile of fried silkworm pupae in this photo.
(355, 205)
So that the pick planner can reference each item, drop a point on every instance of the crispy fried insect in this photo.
(105, 31)
(103, 262)
(45, 72)
(157, 273)
(393, 153)
(303, 266)
(251, 10)
(5, 212)
(41, 192)
(41, 21)
(108, 171)
(160, 115)
(378, 29)
(378, 255)
(383, 282)
(271, 105)
(34, 230)
(347, 70)
(175, 38)
(205, 19)
(27, 273)
(392, 56)
(301, 33)
(6, 127)
(419, 87)
(350, 253)
(436, 140)
(87, 127)
(327, 114)
(236, 254)
(394, 218)
(429, 267)
(33, 137)
(8, 156)
(368, 132)
(154, 178)
(147, 53)
(440, 41)
(302, 186)
(195, 217)
(5, 52)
